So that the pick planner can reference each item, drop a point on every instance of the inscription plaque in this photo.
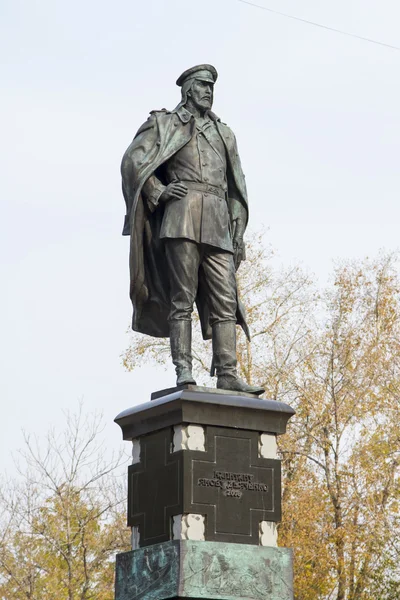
(233, 484)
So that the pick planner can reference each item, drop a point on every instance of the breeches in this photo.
(190, 265)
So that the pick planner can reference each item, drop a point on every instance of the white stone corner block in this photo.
(189, 437)
(180, 438)
(188, 527)
(195, 527)
(135, 538)
(196, 438)
(135, 451)
(177, 527)
(267, 447)
(268, 533)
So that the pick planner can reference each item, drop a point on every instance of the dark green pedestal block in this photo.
(204, 570)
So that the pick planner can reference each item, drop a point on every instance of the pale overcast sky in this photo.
(317, 118)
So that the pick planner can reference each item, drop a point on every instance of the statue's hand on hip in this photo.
(173, 191)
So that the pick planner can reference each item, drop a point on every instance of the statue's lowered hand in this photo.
(239, 250)
(174, 191)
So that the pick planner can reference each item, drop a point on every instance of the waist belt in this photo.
(205, 187)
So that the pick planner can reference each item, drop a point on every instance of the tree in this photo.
(334, 356)
(347, 423)
(63, 519)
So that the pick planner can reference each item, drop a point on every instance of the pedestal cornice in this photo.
(205, 407)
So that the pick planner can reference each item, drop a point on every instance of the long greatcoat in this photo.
(157, 140)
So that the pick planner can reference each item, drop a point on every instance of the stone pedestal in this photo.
(204, 498)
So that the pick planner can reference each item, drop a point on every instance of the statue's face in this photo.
(202, 93)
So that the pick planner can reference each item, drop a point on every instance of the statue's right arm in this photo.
(152, 191)
(139, 154)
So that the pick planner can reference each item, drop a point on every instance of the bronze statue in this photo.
(187, 212)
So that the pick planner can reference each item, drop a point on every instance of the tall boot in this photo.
(181, 350)
(224, 352)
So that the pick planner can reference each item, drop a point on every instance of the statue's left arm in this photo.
(237, 199)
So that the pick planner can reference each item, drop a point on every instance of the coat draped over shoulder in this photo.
(157, 140)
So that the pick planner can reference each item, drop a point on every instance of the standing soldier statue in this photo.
(187, 212)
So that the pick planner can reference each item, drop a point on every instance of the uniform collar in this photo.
(185, 115)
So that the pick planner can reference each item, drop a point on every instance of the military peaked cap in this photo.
(202, 72)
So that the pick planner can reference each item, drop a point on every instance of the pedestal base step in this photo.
(204, 570)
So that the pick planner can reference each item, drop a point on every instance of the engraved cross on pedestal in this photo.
(154, 488)
(232, 486)
(228, 483)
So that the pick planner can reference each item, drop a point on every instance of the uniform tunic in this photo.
(200, 216)
(196, 228)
